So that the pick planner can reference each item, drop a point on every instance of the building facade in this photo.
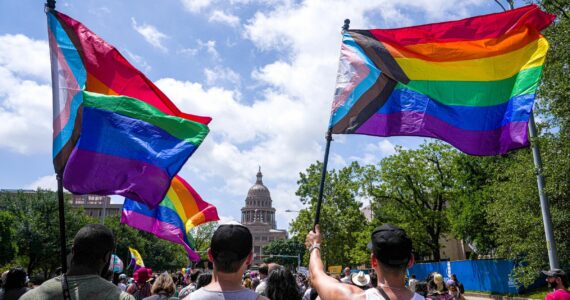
(258, 215)
(96, 206)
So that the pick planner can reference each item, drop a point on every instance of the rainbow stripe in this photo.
(83, 61)
(128, 147)
(181, 210)
(470, 82)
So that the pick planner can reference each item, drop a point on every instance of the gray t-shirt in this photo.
(84, 287)
(204, 294)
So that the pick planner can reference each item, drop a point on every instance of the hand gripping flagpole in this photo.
(326, 158)
(545, 207)
(49, 6)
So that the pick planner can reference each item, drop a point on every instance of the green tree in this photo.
(340, 212)
(202, 236)
(413, 189)
(288, 247)
(8, 248)
(37, 228)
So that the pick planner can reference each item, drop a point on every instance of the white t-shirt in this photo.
(374, 294)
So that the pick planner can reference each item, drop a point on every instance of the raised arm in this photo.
(327, 287)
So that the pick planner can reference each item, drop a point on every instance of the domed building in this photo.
(258, 215)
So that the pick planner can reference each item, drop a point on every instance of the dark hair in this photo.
(227, 265)
(92, 242)
(374, 279)
(414, 276)
(281, 285)
(263, 269)
(15, 279)
(194, 276)
(203, 280)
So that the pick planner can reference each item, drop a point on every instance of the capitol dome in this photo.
(258, 204)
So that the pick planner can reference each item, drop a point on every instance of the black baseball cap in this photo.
(391, 245)
(231, 242)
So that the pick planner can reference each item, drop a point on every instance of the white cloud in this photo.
(25, 95)
(222, 17)
(221, 74)
(138, 61)
(210, 47)
(48, 182)
(150, 34)
(196, 5)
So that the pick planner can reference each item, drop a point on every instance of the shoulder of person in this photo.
(126, 296)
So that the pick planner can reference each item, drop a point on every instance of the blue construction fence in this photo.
(476, 275)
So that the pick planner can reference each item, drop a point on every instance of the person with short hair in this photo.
(230, 252)
(163, 288)
(15, 284)
(122, 282)
(557, 280)
(346, 278)
(263, 273)
(91, 255)
(412, 283)
(391, 256)
(203, 280)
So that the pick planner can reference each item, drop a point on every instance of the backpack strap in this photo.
(65, 287)
(383, 293)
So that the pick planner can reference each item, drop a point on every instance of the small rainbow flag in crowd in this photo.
(136, 259)
(471, 83)
(181, 210)
(115, 132)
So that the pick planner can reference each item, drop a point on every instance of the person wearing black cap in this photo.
(231, 252)
(557, 280)
(391, 255)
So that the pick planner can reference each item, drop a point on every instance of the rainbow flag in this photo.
(181, 210)
(134, 153)
(471, 83)
(136, 259)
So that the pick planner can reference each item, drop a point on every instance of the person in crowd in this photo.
(247, 283)
(192, 286)
(281, 285)
(453, 290)
(373, 280)
(163, 288)
(35, 281)
(458, 283)
(391, 256)
(436, 288)
(122, 282)
(91, 254)
(230, 252)
(360, 280)
(203, 280)
(346, 278)
(255, 281)
(412, 283)
(15, 284)
(140, 289)
(263, 273)
(310, 293)
(558, 281)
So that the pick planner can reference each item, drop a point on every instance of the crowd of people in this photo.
(230, 254)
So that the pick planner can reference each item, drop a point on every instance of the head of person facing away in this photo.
(231, 249)
(281, 285)
(391, 250)
(91, 251)
(164, 284)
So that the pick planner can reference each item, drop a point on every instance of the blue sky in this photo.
(264, 70)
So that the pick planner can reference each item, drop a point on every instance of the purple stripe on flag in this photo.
(102, 174)
(511, 136)
(162, 230)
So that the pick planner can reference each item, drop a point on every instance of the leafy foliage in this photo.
(340, 213)
(284, 247)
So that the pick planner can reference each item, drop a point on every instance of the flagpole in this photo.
(49, 6)
(544, 205)
(323, 176)
(326, 158)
